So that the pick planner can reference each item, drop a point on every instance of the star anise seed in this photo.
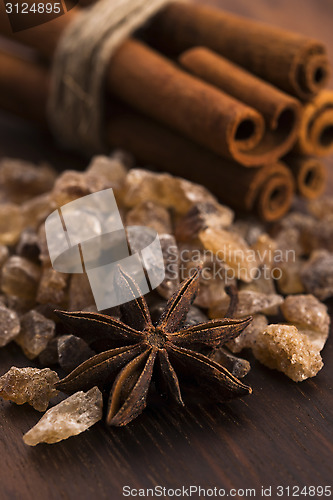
(137, 351)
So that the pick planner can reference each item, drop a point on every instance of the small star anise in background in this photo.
(137, 352)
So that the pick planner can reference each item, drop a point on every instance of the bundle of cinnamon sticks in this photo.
(207, 95)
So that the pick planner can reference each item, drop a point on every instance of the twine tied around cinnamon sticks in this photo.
(76, 100)
(222, 111)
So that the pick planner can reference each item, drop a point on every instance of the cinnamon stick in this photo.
(280, 111)
(316, 128)
(295, 63)
(157, 87)
(44, 37)
(267, 191)
(24, 87)
(310, 175)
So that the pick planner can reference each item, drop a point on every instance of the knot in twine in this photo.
(75, 107)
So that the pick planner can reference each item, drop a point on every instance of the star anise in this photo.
(138, 352)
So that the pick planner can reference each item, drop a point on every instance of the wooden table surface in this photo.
(281, 435)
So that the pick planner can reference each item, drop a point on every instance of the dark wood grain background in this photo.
(281, 435)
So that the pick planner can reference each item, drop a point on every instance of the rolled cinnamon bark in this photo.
(214, 119)
(294, 63)
(158, 88)
(280, 111)
(24, 87)
(155, 86)
(310, 175)
(316, 128)
(267, 191)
